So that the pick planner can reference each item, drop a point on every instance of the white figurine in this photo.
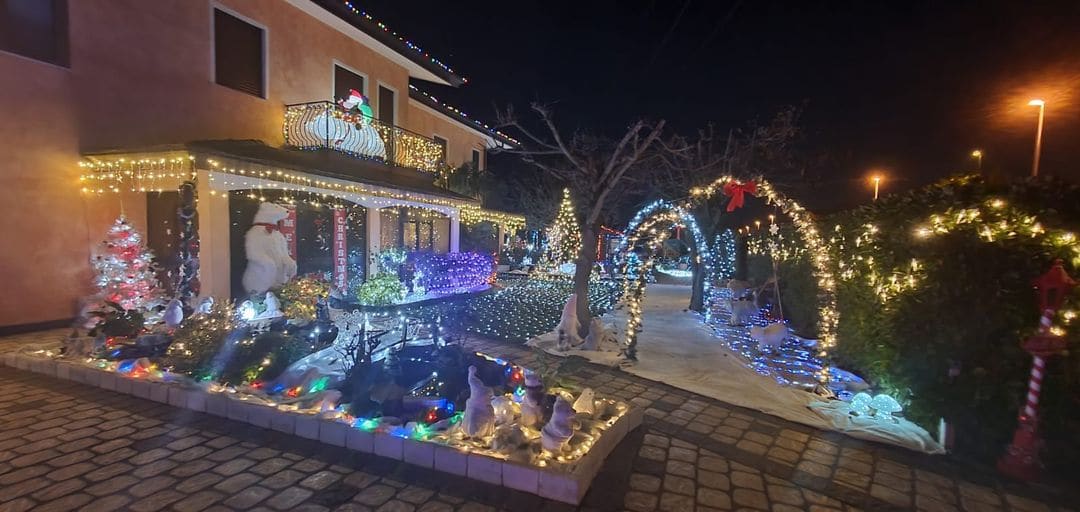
(772, 335)
(205, 306)
(532, 409)
(568, 325)
(268, 261)
(586, 403)
(174, 314)
(479, 418)
(560, 429)
(504, 410)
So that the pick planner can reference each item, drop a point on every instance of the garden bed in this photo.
(564, 474)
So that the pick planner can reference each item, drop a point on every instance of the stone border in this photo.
(567, 487)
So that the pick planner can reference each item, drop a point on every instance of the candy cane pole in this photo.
(1021, 459)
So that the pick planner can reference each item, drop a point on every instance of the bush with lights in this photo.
(300, 296)
(381, 290)
(934, 291)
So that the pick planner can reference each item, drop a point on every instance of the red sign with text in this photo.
(288, 230)
(340, 249)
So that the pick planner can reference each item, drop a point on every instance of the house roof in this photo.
(496, 137)
(429, 68)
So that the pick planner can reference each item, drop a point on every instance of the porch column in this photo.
(215, 274)
(500, 235)
(374, 234)
(455, 232)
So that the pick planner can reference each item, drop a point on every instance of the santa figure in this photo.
(268, 262)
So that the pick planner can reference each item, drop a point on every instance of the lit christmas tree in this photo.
(125, 269)
(564, 236)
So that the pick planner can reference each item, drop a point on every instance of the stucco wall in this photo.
(460, 140)
(141, 76)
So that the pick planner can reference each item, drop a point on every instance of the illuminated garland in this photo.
(817, 248)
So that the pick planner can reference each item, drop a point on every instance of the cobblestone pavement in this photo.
(67, 447)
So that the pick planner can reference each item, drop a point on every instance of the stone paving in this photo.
(67, 447)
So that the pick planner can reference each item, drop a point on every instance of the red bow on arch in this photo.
(737, 191)
(270, 228)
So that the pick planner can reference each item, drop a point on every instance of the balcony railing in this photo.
(323, 124)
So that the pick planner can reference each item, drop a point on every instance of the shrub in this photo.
(380, 290)
(942, 335)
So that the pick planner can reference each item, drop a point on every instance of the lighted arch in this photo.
(644, 227)
(820, 261)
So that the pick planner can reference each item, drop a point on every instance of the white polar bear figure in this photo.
(268, 261)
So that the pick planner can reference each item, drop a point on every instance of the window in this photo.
(476, 159)
(238, 54)
(344, 80)
(386, 105)
(37, 29)
(442, 142)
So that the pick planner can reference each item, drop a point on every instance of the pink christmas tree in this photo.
(125, 269)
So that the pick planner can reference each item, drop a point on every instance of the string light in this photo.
(817, 250)
(102, 176)
(651, 224)
(459, 113)
(408, 44)
(564, 235)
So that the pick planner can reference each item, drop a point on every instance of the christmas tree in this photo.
(564, 236)
(125, 269)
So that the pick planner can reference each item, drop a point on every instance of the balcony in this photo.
(323, 124)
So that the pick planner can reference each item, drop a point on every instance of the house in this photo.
(113, 107)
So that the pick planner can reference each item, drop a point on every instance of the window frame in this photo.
(215, 6)
(63, 61)
(333, 79)
(479, 160)
(378, 106)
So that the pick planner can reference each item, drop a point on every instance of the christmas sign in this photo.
(288, 230)
(340, 251)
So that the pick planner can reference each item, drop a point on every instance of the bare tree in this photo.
(770, 150)
(594, 168)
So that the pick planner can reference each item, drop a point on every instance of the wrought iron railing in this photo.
(323, 124)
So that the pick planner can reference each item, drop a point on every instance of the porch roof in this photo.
(321, 162)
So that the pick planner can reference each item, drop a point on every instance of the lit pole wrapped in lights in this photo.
(816, 247)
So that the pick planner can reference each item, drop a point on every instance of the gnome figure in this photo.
(268, 261)
(479, 418)
(532, 406)
(559, 430)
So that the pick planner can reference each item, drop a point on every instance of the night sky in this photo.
(908, 87)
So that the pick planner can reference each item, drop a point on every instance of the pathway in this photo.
(64, 446)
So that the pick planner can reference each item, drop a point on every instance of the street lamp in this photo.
(977, 155)
(1038, 135)
(876, 180)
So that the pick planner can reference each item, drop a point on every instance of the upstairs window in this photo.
(476, 159)
(442, 142)
(386, 105)
(345, 80)
(37, 29)
(238, 54)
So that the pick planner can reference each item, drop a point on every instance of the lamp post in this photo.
(876, 179)
(1038, 135)
(977, 155)
(1021, 459)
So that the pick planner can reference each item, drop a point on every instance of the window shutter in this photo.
(238, 54)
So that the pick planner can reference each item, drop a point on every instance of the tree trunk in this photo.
(585, 262)
(697, 288)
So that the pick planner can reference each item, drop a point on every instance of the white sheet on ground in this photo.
(676, 348)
